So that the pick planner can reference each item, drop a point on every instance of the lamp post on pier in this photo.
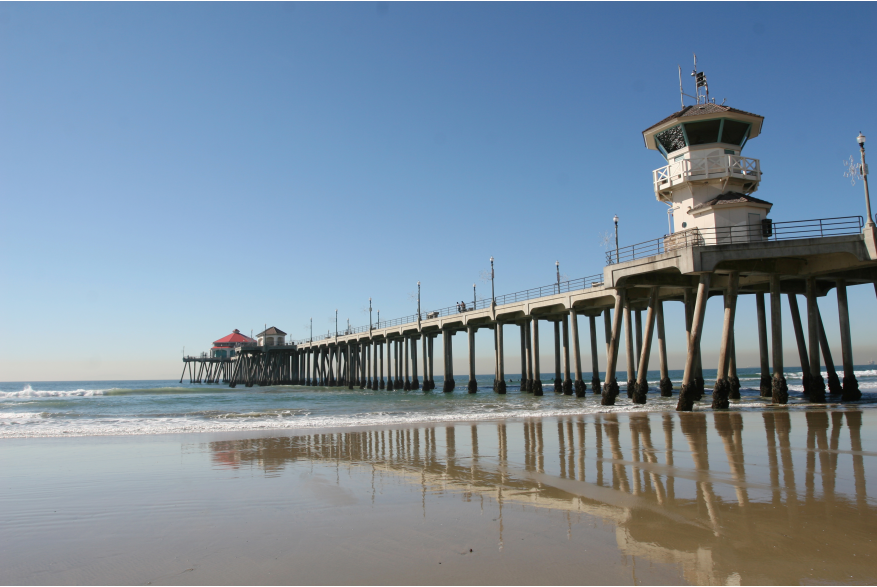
(474, 298)
(369, 316)
(336, 322)
(615, 218)
(418, 301)
(557, 267)
(492, 290)
(861, 140)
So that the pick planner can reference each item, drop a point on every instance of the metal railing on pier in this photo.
(764, 231)
(511, 298)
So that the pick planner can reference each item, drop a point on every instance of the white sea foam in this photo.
(28, 391)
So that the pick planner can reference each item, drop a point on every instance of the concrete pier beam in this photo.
(537, 373)
(610, 384)
(580, 387)
(472, 386)
(431, 362)
(642, 382)
(779, 389)
(817, 383)
(558, 382)
(595, 363)
(308, 366)
(665, 385)
(688, 392)
(391, 381)
(567, 381)
(850, 383)
(722, 389)
(415, 382)
(424, 339)
(349, 366)
(452, 382)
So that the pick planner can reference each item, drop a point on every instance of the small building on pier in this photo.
(225, 347)
(271, 337)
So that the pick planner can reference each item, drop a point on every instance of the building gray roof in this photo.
(273, 330)
(730, 198)
(698, 109)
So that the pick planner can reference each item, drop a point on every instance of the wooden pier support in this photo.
(628, 347)
(406, 342)
(834, 386)
(733, 379)
(803, 359)
(431, 362)
(529, 346)
(688, 394)
(610, 384)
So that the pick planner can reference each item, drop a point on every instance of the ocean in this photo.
(103, 408)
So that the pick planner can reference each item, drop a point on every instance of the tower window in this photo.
(734, 131)
(703, 132)
(671, 139)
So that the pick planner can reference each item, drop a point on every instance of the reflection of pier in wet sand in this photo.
(699, 490)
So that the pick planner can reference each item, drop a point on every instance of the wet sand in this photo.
(772, 496)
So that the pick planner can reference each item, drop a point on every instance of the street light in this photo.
(336, 322)
(474, 298)
(418, 300)
(312, 330)
(369, 315)
(557, 266)
(492, 290)
(615, 218)
(861, 140)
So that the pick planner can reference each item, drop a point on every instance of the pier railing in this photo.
(764, 231)
(481, 304)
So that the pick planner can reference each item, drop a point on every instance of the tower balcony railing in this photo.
(700, 168)
(764, 231)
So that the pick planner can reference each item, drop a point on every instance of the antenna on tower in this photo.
(681, 93)
(700, 82)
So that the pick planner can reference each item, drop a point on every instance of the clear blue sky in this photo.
(172, 171)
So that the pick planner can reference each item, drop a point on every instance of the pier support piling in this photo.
(595, 364)
(817, 383)
(567, 381)
(722, 389)
(665, 385)
(688, 392)
(558, 382)
(803, 359)
(851, 391)
(642, 382)
(500, 360)
(610, 383)
(779, 389)
(763, 352)
(834, 387)
(628, 347)
(472, 386)
(577, 354)
(537, 373)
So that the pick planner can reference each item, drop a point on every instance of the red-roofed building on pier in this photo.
(224, 348)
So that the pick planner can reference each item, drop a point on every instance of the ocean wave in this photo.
(35, 425)
(28, 391)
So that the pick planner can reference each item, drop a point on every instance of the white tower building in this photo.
(707, 181)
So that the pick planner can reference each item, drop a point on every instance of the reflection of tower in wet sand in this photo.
(719, 527)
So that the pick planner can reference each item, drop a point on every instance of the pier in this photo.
(721, 245)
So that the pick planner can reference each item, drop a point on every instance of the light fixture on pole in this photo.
(557, 267)
(336, 322)
(861, 140)
(615, 218)
(369, 315)
(312, 329)
(418, 300)
(492, 290)
(474, 298)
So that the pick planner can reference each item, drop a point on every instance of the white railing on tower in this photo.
(705, 168)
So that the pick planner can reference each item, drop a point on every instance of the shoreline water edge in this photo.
(101, 408)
